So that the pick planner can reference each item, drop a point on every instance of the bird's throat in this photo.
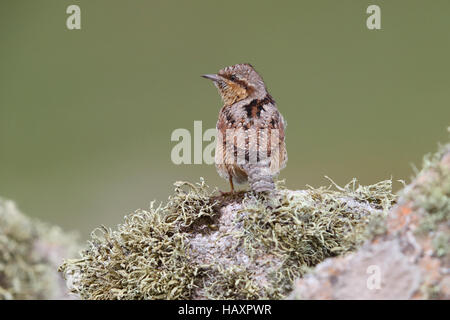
(233, 93)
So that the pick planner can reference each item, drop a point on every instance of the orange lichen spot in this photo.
(405, 210)
(375, 240)
(431, 265)
(399, 218)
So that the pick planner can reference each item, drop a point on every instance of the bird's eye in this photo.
(233, 78)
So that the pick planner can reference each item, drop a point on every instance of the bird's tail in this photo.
(259, 177)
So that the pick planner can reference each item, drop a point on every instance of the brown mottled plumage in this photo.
(250, 130)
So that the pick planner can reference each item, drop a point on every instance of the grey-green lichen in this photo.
(201, 245)
(429, 196)
(300, 229)
(409, 246)
(146, 257)
(432, 195)
(30, 252)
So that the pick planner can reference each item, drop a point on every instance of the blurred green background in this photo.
(86, 115)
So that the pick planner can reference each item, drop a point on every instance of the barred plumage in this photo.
(250, 130)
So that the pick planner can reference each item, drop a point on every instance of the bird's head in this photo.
(238, 82)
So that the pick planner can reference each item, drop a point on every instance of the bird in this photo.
(250, 131)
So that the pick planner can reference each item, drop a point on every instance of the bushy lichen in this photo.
(241, 246)
(30, 252)
(304, 228)
(146, 257)
(232, 283)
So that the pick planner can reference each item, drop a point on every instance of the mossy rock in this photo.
(30, 252)
(201, 245)
(407, 255)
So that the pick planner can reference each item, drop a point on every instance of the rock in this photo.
(241, 246)
(30, 252)
(408, 260)
(351, 242)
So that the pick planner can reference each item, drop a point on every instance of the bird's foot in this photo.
(226, 193)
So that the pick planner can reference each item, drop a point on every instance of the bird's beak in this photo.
(213, 77)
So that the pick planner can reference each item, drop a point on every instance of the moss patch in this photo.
(242, 246)
(432, 196)
(301, 229)
(146, 257)
(30, 252)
